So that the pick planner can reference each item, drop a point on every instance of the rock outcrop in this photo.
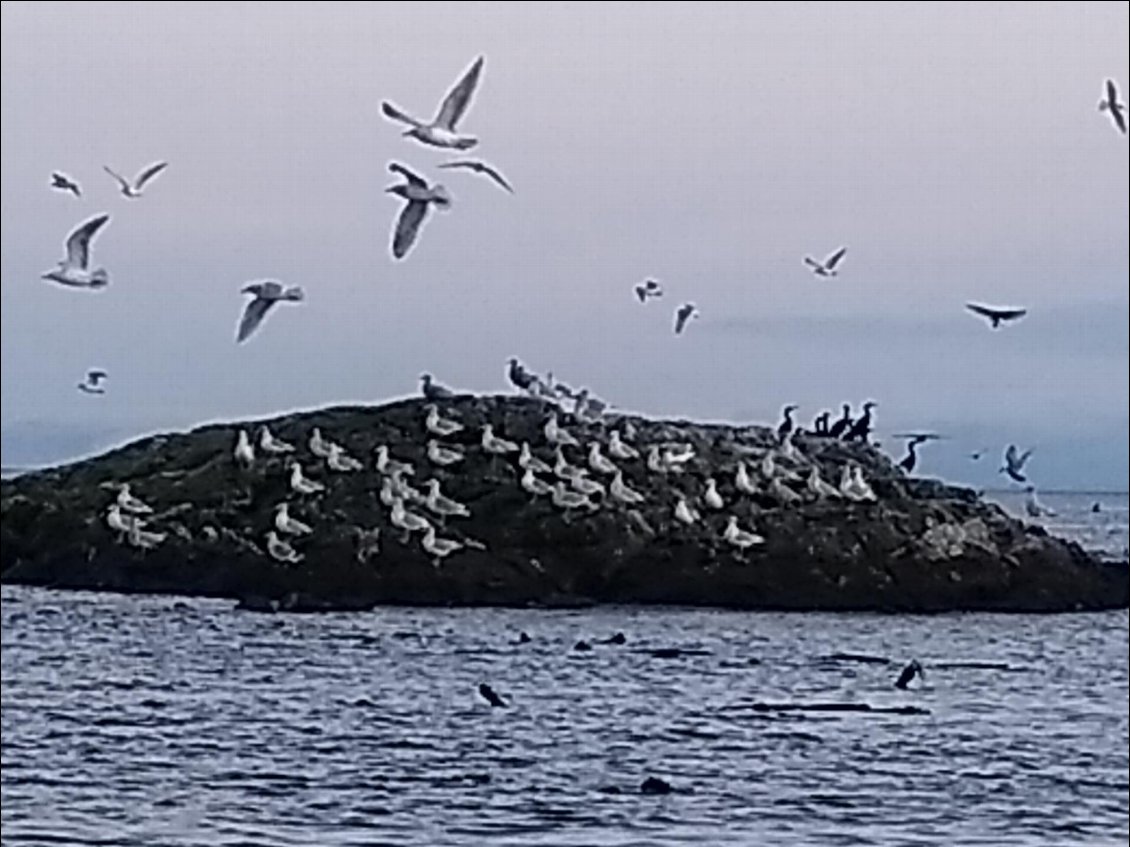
(919, 546)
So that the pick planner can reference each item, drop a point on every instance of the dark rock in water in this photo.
(858, 657)
(523, 638)
(655, 785)
(675, 652)
(582, 646)
(839, 707)
(610, 789)
(923, 546)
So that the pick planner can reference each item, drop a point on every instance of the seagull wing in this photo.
(1023, 459)
(252, 316)
(94, 376)
(984, 311)
(459, 98)
(78, 242)
(1010, 456)
(149, 173)
(1111, 93)
(641, 293)
(407, 226)
(412, 178)
(391, 111)
(480, 167)
(1119, 118)
(834, 259)
(812, 263)
(496, 176)
(681, 316)
(1010, 314)
(122, 181)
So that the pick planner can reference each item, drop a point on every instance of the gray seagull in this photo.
(441, 131)
(133, 191)
(74, 270)
(419, 196)
(267, 293)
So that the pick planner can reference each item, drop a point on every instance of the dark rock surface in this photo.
(923, 546)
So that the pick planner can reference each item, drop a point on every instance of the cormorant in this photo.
(491, 696)
(995, 314)
(861, 429)
(820, 425)
(908, 673)
(786, 427)
(840, 426)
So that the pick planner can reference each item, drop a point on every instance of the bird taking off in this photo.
(1014, 462)
(996, 314)
(828, 266)
(1110, 104)
(62, 182)
(441, 132)
(683, 314)
(93, 382)
(647, 289)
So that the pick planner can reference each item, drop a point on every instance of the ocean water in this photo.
(1105, 531)
(158, 721)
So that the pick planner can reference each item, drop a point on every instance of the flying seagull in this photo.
(648, 288)
(134, 191)
(828, 266)
(995, 314)
(683, 314)
(441, 131)
(74, 270)
(1110, 104)
(92, 384)
(482, 168)
(1014, 462)
(64, 183)
(419, 196)
(267, 293)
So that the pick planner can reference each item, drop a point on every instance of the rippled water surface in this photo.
(155, 721)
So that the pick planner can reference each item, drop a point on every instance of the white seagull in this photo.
(739, 537)
(408, 521)
(498, 446)
(269, 444)
(742, 482)
(143, 540)
(442, 505)
(319, 446)
(340, 461)
(130, 503)
(93, 382)
(439, 548)
(389, 466)
(419, 195)
(598, 461)
(244, 453)
(712, 498)
(287, 525)
(74, 270)
(586, 485)
(443, 456)
(528, 461)
(556, 435)
(299, 484)
(534, 485)
(133, 190)
(482, 168)
(267, 293)
(120, 523)
(438, 425)
(618, 449)
(441, 132)
(685, 513)
(281, 551)
(565, 499)
(820, 488)
(622, 492)
(828, 266)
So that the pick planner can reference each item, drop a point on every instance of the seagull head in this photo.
(399, 190)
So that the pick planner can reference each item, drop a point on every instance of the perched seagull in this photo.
(854, 486)
(828, 266)
(647, 289)
(389, 466)
(712, 498)
(437, 425)
(673, 457)
(299, 484)
(782, 493)
(479, 167)
(1034, 507)
(419, 195)
(267, 293)
(287, 525)
(822, 489)
(439, 548)
(1014, 462)
(62, 182)
(498, 446)
(683, 314)
(655, 462)
(408, 521)
(441, 131)
(995, 314)
(74, 270)
(433, 390)
(586, 485)
(742, 482)
(598, 461)
(685, 513)
(622, 492)
(269, 444)
(340, 461)
(440, 504)
(534, 485)
(619, 450)
(319, 446)
(244, 453)
(281, 551)
(143, 540)
(739, 537)
(92, 383)
(134, 191)
(562, 469)
(567, 500)
(1110, 104)
(443, 456)
(119, 522)
(556, 435)
(529, 462)
(132, 504)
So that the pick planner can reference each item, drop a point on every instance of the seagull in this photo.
(529, 462)
(619, 450)
(389, 466)
(534, 485)
(130, 503)
(433, 390)
(683, 314)
(74, 270)
(908, 674)
(267, 293)
(1034, 507)
(117, 521)
(820, 488)
(828, 266)
(281, 551)
(675, 458)
(742, 482)
(62, 182)
(441, 131)
(739, 537)
(562, 469)
(439, 548)
(340, 461)
(565, 499)
(647, 289)
(440, 504)
(299, 484)
(556, 435)
(685, 513)
(996, 314)
(244, 453)
(408, 521)
(1110, 104)
(269, 444)
(622, 492)
(598, 461)
(287, 525)
(419, 196)
(782, 493)
(134, 191)
(144, 540)
(586, 485)
(587, 406)
(712, 498)
(493, 444)
(319, 446)
(479, 167)
(92, 384)
(437, 425)
(443, 456)
(1014, 462)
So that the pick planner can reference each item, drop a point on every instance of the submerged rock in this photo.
(921, 545)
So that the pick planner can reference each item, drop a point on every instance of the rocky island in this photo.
(705, 514)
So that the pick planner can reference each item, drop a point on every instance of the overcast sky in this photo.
(957, 150)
